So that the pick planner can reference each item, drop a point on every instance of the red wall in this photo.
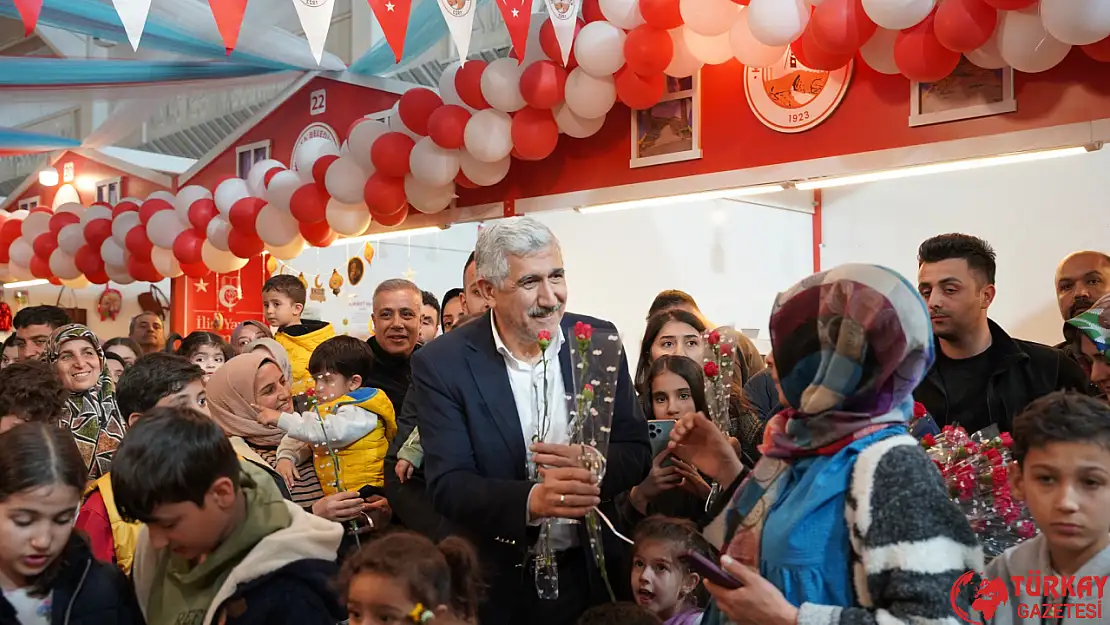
(132, 185)
(873, 116)
(194, 309)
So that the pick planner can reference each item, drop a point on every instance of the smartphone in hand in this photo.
(709, 570)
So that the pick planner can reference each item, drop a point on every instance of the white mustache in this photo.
(544, 311)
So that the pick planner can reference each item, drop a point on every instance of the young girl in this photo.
(207, 350)
(47, 573)
(404, 577)
(661, 583)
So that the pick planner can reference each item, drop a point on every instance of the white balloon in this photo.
(777, 22)
(123, 224)
(22, 213)
(94, 212)
(290, 250)
(447, 91)
(878, 52)
(1078, 22)
(501, 85)
(574, 126)
(80, 282)
(988, 56)
(311, 151)
(589, 96)
(747, 49)
(396, 124)
(185, 198)
(488, 135)
(165, 262)
(709, 50)
(426, 198)
(20, 253)
(113, 253)
(683, 62)
(362, 138)
(77, 209)
(256, 177)
(72, 236)
(345, 180)
(897, 14)
(37, 223)
(348, 219)
(282, 187)
(19, 272)
(218, 231)
(162, 195)
(62, 265)
(709, 17)
(1025, 44)
(229, 192)
(623, 14)
(163, 229)
(220, 261)
(276, 227)
(432, 165)
(599, 49)
(118, 274)
(482, 173)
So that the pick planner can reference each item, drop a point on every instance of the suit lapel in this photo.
(488, 368)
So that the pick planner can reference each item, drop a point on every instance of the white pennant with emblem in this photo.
(459, 15)
(315, 16)
(133, 15)
(564, 18)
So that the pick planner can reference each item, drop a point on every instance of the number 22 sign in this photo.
(318, 102)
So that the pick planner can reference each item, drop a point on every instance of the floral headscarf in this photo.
(92, 415)
(1095, 325)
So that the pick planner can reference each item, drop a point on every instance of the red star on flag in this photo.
(518, 19)
(393, 15)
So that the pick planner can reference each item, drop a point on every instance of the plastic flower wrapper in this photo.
(719, 361)
(975, 469)
(311, 403)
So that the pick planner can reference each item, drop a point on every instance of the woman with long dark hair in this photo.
(674, 332)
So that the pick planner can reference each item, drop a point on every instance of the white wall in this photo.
(1033, 214)
(87, 298)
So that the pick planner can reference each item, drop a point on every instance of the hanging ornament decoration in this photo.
(563, 17)
(335, 282)
(28, 12)
(109, 304)
(355, 270)
(317, 294)
(218, 322)
(517, 15)
(459, 15)
(368, 254)
(271, 264)
(301, 277)
(393, 16)
(315, 17)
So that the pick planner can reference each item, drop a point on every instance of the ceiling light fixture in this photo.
(717, 194)
(24, 284)
(389, 234)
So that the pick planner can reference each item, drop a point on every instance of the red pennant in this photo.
(393, 15)
(29, 11)
(518, 19)
(229, 19)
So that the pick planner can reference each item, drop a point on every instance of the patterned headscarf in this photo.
(1095, 325)
(850, 345)
(92, 416)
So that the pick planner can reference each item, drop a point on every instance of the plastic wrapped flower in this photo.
(711, 369)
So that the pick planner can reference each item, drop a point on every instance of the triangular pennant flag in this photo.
(564, 17)
(29, 12)
(393, 16)
(459, 15)
(518, 19)
(229, 19)
(133, 15)
(315, 16)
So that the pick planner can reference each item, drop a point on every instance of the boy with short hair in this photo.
(30, 391)
(283, 299)
(1062, 449)
(220, 544)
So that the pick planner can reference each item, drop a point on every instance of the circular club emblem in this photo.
(312, 131)
(457, 8)
(312, 4)
(563, 9)
(230, 295)
(790, 97)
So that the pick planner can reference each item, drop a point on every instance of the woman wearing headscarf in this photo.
(1093, 341)
(844, 519)
(91, 411)
(274, 351)
(247, 332)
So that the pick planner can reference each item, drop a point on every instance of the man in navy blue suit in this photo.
(488, 408)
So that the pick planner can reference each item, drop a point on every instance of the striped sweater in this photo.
(909, 541)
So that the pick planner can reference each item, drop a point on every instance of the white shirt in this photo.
(348, 425)
(527, 383)
(29, 610)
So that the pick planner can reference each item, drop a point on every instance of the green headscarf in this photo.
(1095, 325)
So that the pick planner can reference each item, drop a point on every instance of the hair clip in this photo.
(420, 615)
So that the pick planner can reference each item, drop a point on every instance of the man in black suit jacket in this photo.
(475, 390)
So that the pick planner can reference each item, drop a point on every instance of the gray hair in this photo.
(398, 284)
(520, 236)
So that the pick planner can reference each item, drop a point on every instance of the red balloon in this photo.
(464, 182)
(195, 270)
(964, 25)
(468, 84)
(813, 56)
(1099, 51)
(416, 106)
(143, 271)
(138, 244)
(591, 11)
(648, 50)
(97, 231)
(88, 261)
(244, 244)
(152, 206)
(5, 253)
(270, 173)
(97, 277)
(390, 154)
(187, 246)
(45, 244)
(125, 206)
(920, 56)
(13, 228)
(318, 234)
(640, 92)
(309, 204)
(61, 220)
(320, 169)
(841, 26)
(384, 195)
(396, 219)
(549, 43)
(662, 14)
(40, 268)
(535, 133)
(243, 215)
(544, 83)
(201, 212)
(447, 125)
(1011, 5)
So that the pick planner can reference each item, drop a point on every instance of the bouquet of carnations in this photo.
(975, 469)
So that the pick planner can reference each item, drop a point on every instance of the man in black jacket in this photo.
(981, 376)
(1082, 278)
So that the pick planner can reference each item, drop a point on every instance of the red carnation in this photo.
(1007, 440)
(543, 337)
(713, 338)
(583, 331)
(929, 441)
(711, 369)
(726, 350)
(919, 410)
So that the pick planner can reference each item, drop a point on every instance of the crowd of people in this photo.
(293, 475)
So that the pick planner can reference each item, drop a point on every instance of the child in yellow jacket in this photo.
(283, 299)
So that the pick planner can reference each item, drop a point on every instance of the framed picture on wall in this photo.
(969, 91)
(670, 131)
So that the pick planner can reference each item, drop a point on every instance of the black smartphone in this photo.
(369, 491)
(709, 570)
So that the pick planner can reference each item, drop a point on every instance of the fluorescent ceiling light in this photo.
(684, 198)
(25, 284)
(939, 168)
(389, 234)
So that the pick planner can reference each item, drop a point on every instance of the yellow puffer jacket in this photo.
(361, 462)
(300, 340)
(125, 535)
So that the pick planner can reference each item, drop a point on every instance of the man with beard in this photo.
(149, 332)
(397, 305)
(981, 376)
(1082, 278)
